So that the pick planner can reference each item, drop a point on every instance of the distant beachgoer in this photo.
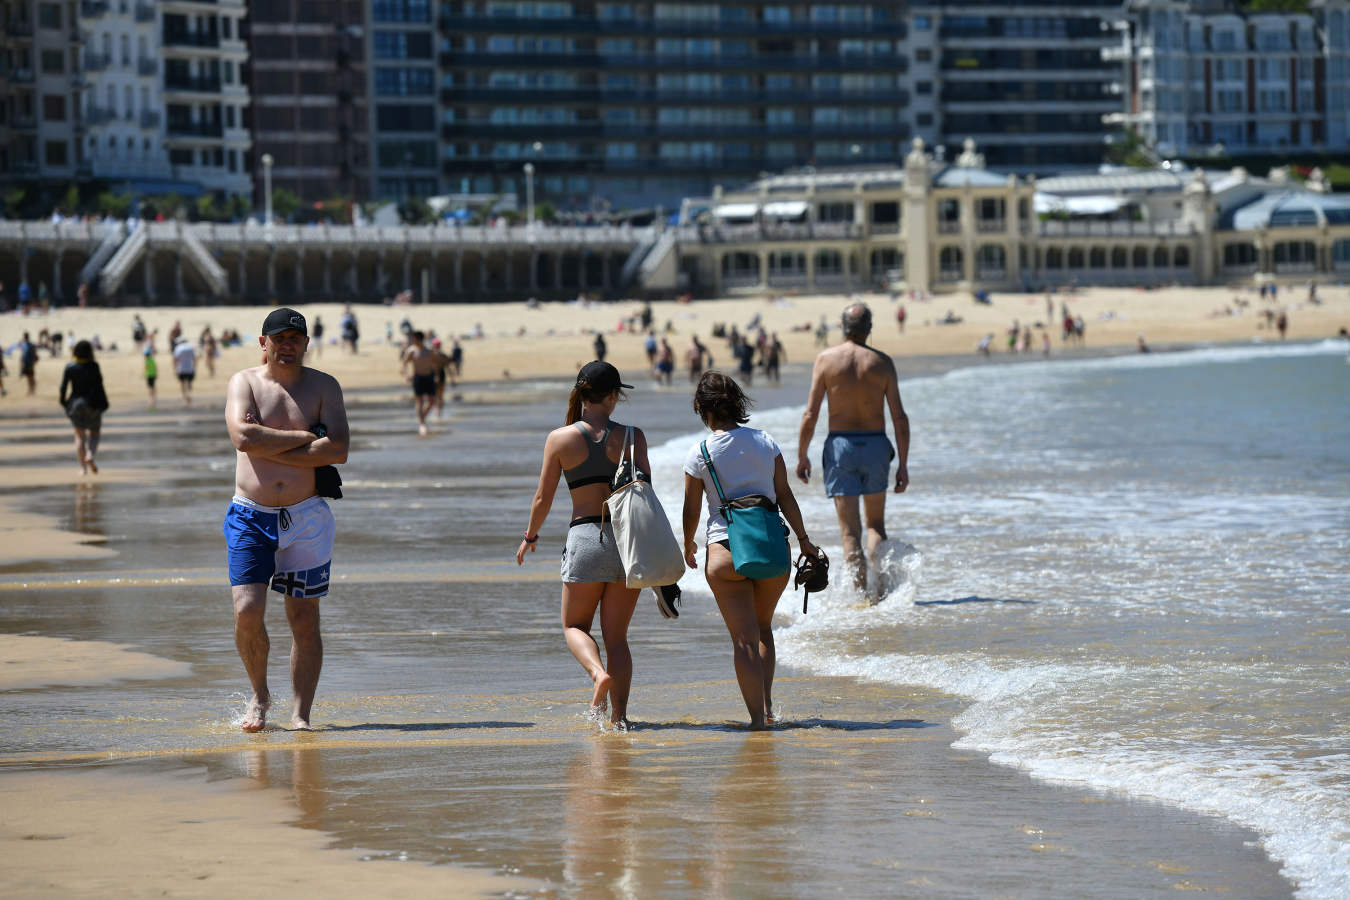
(347, 327)
(175, 333)
(1045, 343)
(774, 355)
(137, 329)
(649, 346)
(1281, 322)
(185, 367)
(84, 400)
(860, 383)
(983, 346)
(317, 329)
(599, 346)
(900, 318)
(456, 358)
(82, 295)
(207, 342)
(665, 361)
(422, 360)
(285, 420)
(745, 356)
(1013, 332)
(151, 372)
(747, 461)
(1079, 330)
(28, 357)
(587, 451)
(1143, 345)
(1026, 339)
(693, 357)
(3, 372)
(442, 363)
(25, 296)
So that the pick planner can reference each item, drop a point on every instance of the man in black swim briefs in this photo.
(423, 361)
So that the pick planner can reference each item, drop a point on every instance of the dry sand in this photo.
(30, 661)
(554, 339)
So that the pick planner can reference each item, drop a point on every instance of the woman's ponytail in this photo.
(574, 406)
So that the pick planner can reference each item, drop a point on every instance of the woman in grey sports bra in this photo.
(586, 451)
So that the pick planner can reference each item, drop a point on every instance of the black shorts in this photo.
(150, 381)
(424, 385)
(186, 377)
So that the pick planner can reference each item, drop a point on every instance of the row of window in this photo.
(695, 82)
(672, 151)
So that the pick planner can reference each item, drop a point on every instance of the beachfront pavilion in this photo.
(934, 226)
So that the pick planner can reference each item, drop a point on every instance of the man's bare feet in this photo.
(299, 724)
(255, 717)
(93, 468)
(422, 430)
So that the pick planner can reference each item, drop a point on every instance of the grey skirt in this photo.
(591, 554)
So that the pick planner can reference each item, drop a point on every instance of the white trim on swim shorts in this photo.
(309, 501)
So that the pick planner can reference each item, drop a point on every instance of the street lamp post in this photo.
(529, 196)
(267, 188)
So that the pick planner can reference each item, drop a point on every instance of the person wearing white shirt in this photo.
(185, 365)
(748, 461)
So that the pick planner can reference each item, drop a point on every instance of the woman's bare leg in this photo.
(80, 450)
(579, 602)
(735, 596)
(616, 611)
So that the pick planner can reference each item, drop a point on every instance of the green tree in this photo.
(1129, 149)
(284, 204)
(71, 201)
(115, 205)
(416, 211)
(1255, 6)
(240, 207)
(14, 202)
(545, 211)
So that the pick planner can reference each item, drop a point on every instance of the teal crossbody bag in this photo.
(755, 531)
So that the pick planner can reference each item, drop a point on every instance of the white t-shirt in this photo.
(744, 459)
(184, 358)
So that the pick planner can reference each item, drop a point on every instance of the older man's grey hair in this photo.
(857, 320)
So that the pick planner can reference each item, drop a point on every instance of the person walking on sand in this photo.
(185, 366)
(587, 451)
(747, 461)
(693, 357)
(285, 420)
(209, 350)
(84, 400)
(860, 383)
(665, 362)
(28, 357)
(151, 372)
(423, 362)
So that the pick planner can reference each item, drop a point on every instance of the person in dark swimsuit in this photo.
(586, 451)
(84, 400)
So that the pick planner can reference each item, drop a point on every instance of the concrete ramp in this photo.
(205, 264)
(126, 256)
(112, 239)
(659, 271)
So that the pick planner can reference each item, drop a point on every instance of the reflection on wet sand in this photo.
(87, 517)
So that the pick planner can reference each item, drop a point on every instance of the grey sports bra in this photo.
(597, 467)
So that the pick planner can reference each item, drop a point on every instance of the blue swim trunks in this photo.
(856, 462)
(290, 547)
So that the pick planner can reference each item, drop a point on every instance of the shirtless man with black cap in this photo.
(285, 420)
(860, 385)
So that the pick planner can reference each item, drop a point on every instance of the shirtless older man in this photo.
(860, 383)
(285, 420)
(424, 362)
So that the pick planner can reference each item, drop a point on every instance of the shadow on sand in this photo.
(791, 725)
(424, 726)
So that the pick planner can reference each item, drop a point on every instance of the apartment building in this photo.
(310, 106)
(18, 103)
(402, 39)
(1203, 76)
(1025, 79)
(121, 107)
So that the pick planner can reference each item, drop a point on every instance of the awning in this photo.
(736, 210)
(1091, 205)
(785, 209)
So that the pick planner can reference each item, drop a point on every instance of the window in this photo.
(923, 55)
(621, 151)
(54, 107)
(403, 82)
(406, 154)
(402, 45)
(49, 16)
(401, 11)
(405, 118)
(923, 87)
(923, 23)
(778, 15)
(180, 157)
(129, 101)
(126, 51)
(226, 25)
(56, 153)
(53, 62)
(229, 116)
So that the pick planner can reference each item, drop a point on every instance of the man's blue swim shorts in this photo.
(290, 547)
(856, 462)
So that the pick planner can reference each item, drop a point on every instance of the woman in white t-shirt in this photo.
(747, 461)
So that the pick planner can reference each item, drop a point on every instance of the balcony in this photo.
(949, 226)
(149, 119)
(92, 9)
(722, 97)
(693, 27)
(991, 226)
(196, 129)
(797, 62)
(198, 85)
(96, 62)
(21, 29)
(145, 12)
(191, 39)
(97, 115)
(21, 76)
(23, 122)
(147, 65)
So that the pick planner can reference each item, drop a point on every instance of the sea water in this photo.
(1134, 568)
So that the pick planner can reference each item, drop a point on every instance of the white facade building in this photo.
(1202, 77)
(122, 103)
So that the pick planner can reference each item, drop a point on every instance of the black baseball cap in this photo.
(284, 319)
(601, 376)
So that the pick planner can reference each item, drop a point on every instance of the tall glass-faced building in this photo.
(633, 103)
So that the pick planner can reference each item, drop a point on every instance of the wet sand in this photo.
(437, 746)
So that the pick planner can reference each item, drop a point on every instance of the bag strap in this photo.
(629, 445)
(713, 472)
